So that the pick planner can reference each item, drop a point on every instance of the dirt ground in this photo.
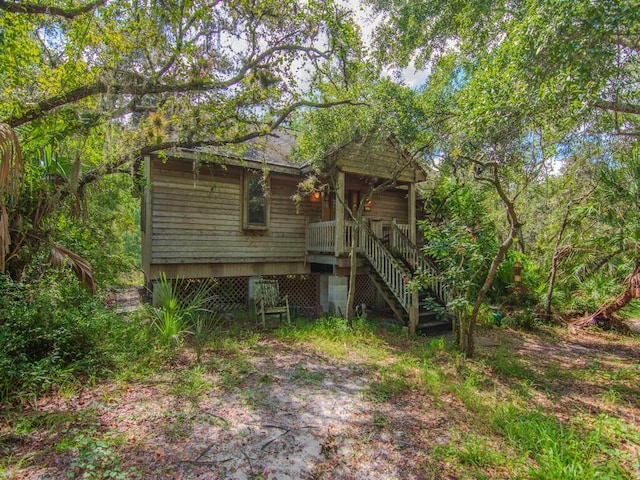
(287, 412)
(297, 415)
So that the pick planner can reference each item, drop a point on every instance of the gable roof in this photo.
(274, 152)
(374, 158)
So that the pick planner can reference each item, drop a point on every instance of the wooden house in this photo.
(232, 217)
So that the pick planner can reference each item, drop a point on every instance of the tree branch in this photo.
(117, 165)
(101, 87)
(37, 9)
(619, 107)
(266, 129)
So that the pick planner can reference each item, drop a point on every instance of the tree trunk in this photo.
(353, 263)
(605, 312)
(554, 263)
(557, 251)
(467, 327)
(552, 281)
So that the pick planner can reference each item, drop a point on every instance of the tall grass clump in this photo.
(334, 335)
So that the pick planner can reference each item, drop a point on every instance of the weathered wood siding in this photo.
(385, 205)
(199, 220)
(382, 160)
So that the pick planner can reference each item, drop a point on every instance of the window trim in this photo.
(245, 201)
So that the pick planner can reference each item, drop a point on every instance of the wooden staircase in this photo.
(391, 270)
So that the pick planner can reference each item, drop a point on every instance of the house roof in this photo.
(274, 152)
(368, 155)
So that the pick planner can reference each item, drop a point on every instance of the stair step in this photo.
(435, 325)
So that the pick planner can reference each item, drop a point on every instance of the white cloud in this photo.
(368, 21)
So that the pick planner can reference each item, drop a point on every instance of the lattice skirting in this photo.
(232, 293)
(303, 291)
(367, 293)
(222, 294)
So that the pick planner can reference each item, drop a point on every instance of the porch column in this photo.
(338, 288)
(412, 212)
(340, 201)
(146, 223)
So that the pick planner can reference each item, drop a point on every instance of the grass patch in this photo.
(395, 379)
(559, 450)
(508, 365)
(475, 451)
(501, 423)
(335, 337)
(191, 384)
(305, 376)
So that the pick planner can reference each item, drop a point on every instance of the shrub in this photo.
(52, 330)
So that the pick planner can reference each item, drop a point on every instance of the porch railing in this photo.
(399, 227)
(348, 236)
(321, 237)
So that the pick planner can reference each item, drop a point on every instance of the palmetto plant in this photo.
(11, 169)
(180, 314)
(12, 177)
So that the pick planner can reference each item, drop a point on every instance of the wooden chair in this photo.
(269, 301)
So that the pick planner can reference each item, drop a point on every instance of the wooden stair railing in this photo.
(409, 253)
(388, 268)
(391, 272)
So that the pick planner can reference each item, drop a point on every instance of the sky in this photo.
(367, 21)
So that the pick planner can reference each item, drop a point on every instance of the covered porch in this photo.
(330, 239)
(387, 215)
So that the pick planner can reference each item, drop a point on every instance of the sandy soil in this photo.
(288, 413)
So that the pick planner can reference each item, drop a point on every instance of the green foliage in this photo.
(90, 94)
(560, 451)
(106, 231)
(459, 237)
(524, 318)
(97, 459)
(529, 86)
(591, 293)
(181, 313)
(385, 110)
(100, 223)
(52, 332)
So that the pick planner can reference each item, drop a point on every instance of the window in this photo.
(256, 201)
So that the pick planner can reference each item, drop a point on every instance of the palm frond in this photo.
(11, 168)
(60, 256)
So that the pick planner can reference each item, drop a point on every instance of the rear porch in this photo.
(388, 256)
(333, 240)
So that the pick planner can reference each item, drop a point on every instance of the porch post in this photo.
(147, 223)
(414, 313)
(340, 201)
(412, 212)
(392, 236)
